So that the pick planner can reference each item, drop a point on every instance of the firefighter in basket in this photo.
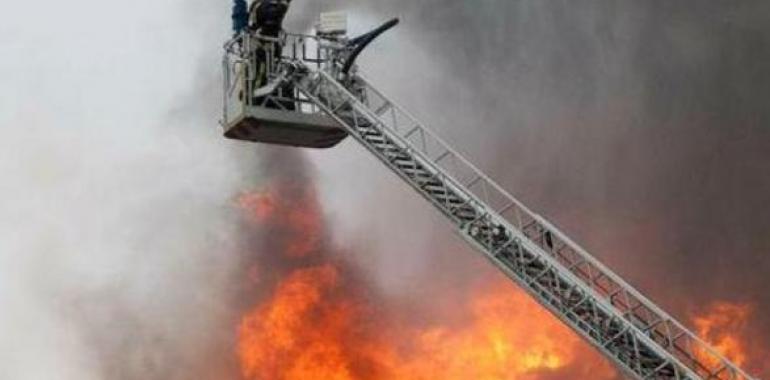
(264, 23)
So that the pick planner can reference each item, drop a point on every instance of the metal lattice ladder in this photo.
(624, 325)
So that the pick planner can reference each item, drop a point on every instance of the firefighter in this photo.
(266, 16)
(266, 20)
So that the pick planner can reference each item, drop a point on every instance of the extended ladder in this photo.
(624, 325)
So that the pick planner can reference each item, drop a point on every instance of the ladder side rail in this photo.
(629, 360)
(663, 328)
(670, 334)
(638, 337)
(610, 333)
(404, 148)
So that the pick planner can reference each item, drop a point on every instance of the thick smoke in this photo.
(117, 242)
(640, 127)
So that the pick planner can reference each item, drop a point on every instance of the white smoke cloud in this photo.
(116, 224)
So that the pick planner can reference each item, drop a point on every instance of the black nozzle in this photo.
(374, 33)
(360, 43)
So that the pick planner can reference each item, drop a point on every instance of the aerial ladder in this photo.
(315, 96)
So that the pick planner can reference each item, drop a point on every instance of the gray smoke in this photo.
(117, 230)
(639, 127)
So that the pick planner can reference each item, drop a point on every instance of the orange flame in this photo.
(307, 331)
(261, 206)
(290, 337)
(508, 337)
(301, 217)
(723, 326)
(315, 325)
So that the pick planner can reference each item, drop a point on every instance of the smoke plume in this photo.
(640, 128)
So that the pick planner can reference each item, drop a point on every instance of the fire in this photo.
(320, 321)
(508, 337)
(261, 205)
(295, 335)
(308, 329)
(302, 217)
(723, 326)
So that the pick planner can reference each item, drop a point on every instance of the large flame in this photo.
(319, 322)
(297, 334)
(308, 329)
(508, 337)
